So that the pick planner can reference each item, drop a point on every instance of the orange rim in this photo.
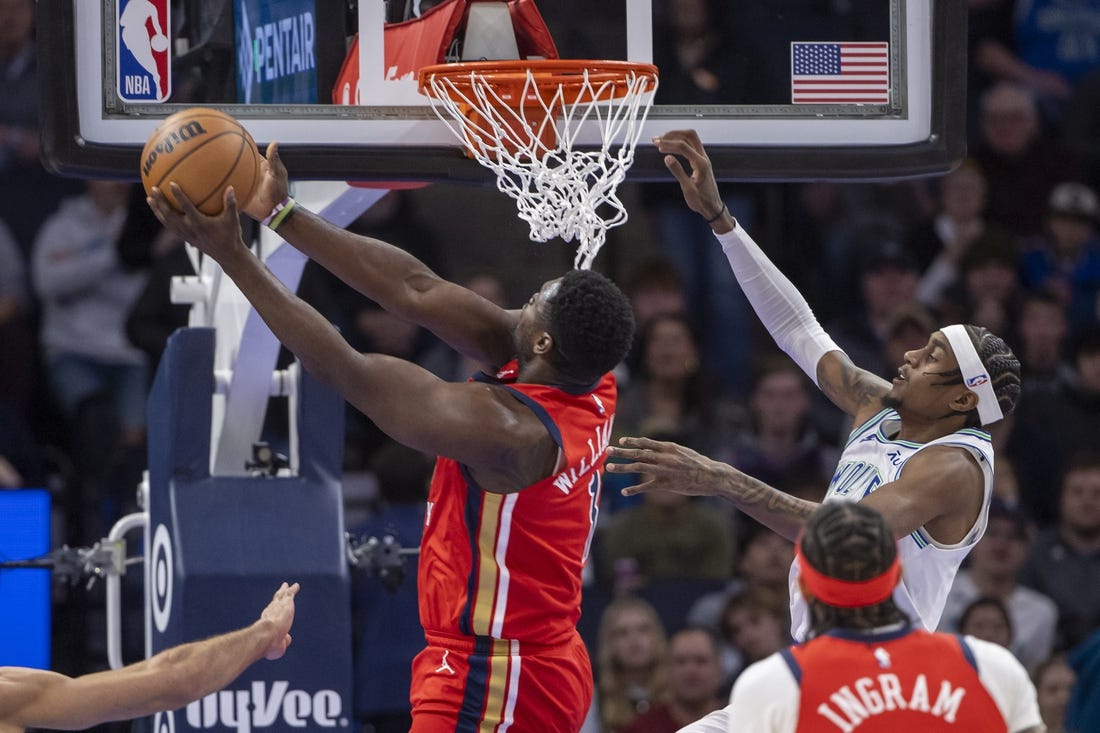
(508, 77)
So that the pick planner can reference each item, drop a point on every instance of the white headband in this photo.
(974, 374)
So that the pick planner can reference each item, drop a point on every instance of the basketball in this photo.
(159, 43)
(203, 151)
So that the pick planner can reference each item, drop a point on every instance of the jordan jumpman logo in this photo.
(445, 667)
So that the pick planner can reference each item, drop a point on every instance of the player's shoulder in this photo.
(989, 655)
(765, 675)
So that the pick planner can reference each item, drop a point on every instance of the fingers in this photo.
(637, 488)
(274, 160)
(636, 467)
(182, 201)
(677, 170)
(159, 205)
(643, 443)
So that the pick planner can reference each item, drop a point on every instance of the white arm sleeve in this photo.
(781, 308)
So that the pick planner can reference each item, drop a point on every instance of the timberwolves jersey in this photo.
(874, 457)
(508, 566)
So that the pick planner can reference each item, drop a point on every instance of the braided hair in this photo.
(1003, 368)
(853, 542)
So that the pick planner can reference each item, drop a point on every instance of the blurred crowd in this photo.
(682, 593)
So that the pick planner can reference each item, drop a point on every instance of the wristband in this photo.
(280, 213)
(717, 216)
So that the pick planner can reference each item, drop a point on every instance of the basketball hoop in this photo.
(522, 120)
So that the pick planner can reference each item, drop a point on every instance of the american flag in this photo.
(840, 73)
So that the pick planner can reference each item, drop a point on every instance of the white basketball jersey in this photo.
(872, 458)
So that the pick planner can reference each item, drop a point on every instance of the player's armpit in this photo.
(940, 489)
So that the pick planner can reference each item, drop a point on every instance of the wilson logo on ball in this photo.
(182, 134)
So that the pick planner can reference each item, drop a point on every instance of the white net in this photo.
(560, 190)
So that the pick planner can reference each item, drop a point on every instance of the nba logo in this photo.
(144, 68)
(977, 380)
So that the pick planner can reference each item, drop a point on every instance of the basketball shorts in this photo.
(495, 685)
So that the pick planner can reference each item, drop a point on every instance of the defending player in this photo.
(866, 668)
(513, 500)
(917, 454)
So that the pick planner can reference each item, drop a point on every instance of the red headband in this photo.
(847, 593)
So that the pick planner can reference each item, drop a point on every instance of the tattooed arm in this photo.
(674, 468)
(856, 391)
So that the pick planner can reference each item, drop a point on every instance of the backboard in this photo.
(276, 65)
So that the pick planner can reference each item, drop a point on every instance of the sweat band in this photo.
(974, 373)
(847, 593)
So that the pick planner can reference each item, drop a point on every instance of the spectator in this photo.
(1065, 560)
(1042, 331)
(993, 566)
(673, 392)
(783, 448)
(987, 618)
(86, 295)
(670, 537)
(1054, 680)
(889, 281)
(630, 665)
(754, 624)
(763, 566)
(1021, 166)
(939, 243)
(1052, 427)
(988, 291)
(693, 682)
(387, 629)
(1067, 261)
(655, 287)
(1006, 487)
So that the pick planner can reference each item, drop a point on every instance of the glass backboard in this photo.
(783, 96)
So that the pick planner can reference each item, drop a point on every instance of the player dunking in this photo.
(865, 668)
(514, 496)
(917, 454)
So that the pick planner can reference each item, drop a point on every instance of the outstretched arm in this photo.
(673, 468)
(390, 276)
(781, 308)
(939, 489)
(169, 680)
(510, 448)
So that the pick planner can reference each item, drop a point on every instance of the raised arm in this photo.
(390, 276)
(508, 450)
(169, 680)
(781, 308)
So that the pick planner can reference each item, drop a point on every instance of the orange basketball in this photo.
(203, 151)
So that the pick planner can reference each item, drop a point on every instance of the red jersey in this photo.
(508, 566)
(909, 680)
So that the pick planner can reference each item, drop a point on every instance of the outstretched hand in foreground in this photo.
(280, 612)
